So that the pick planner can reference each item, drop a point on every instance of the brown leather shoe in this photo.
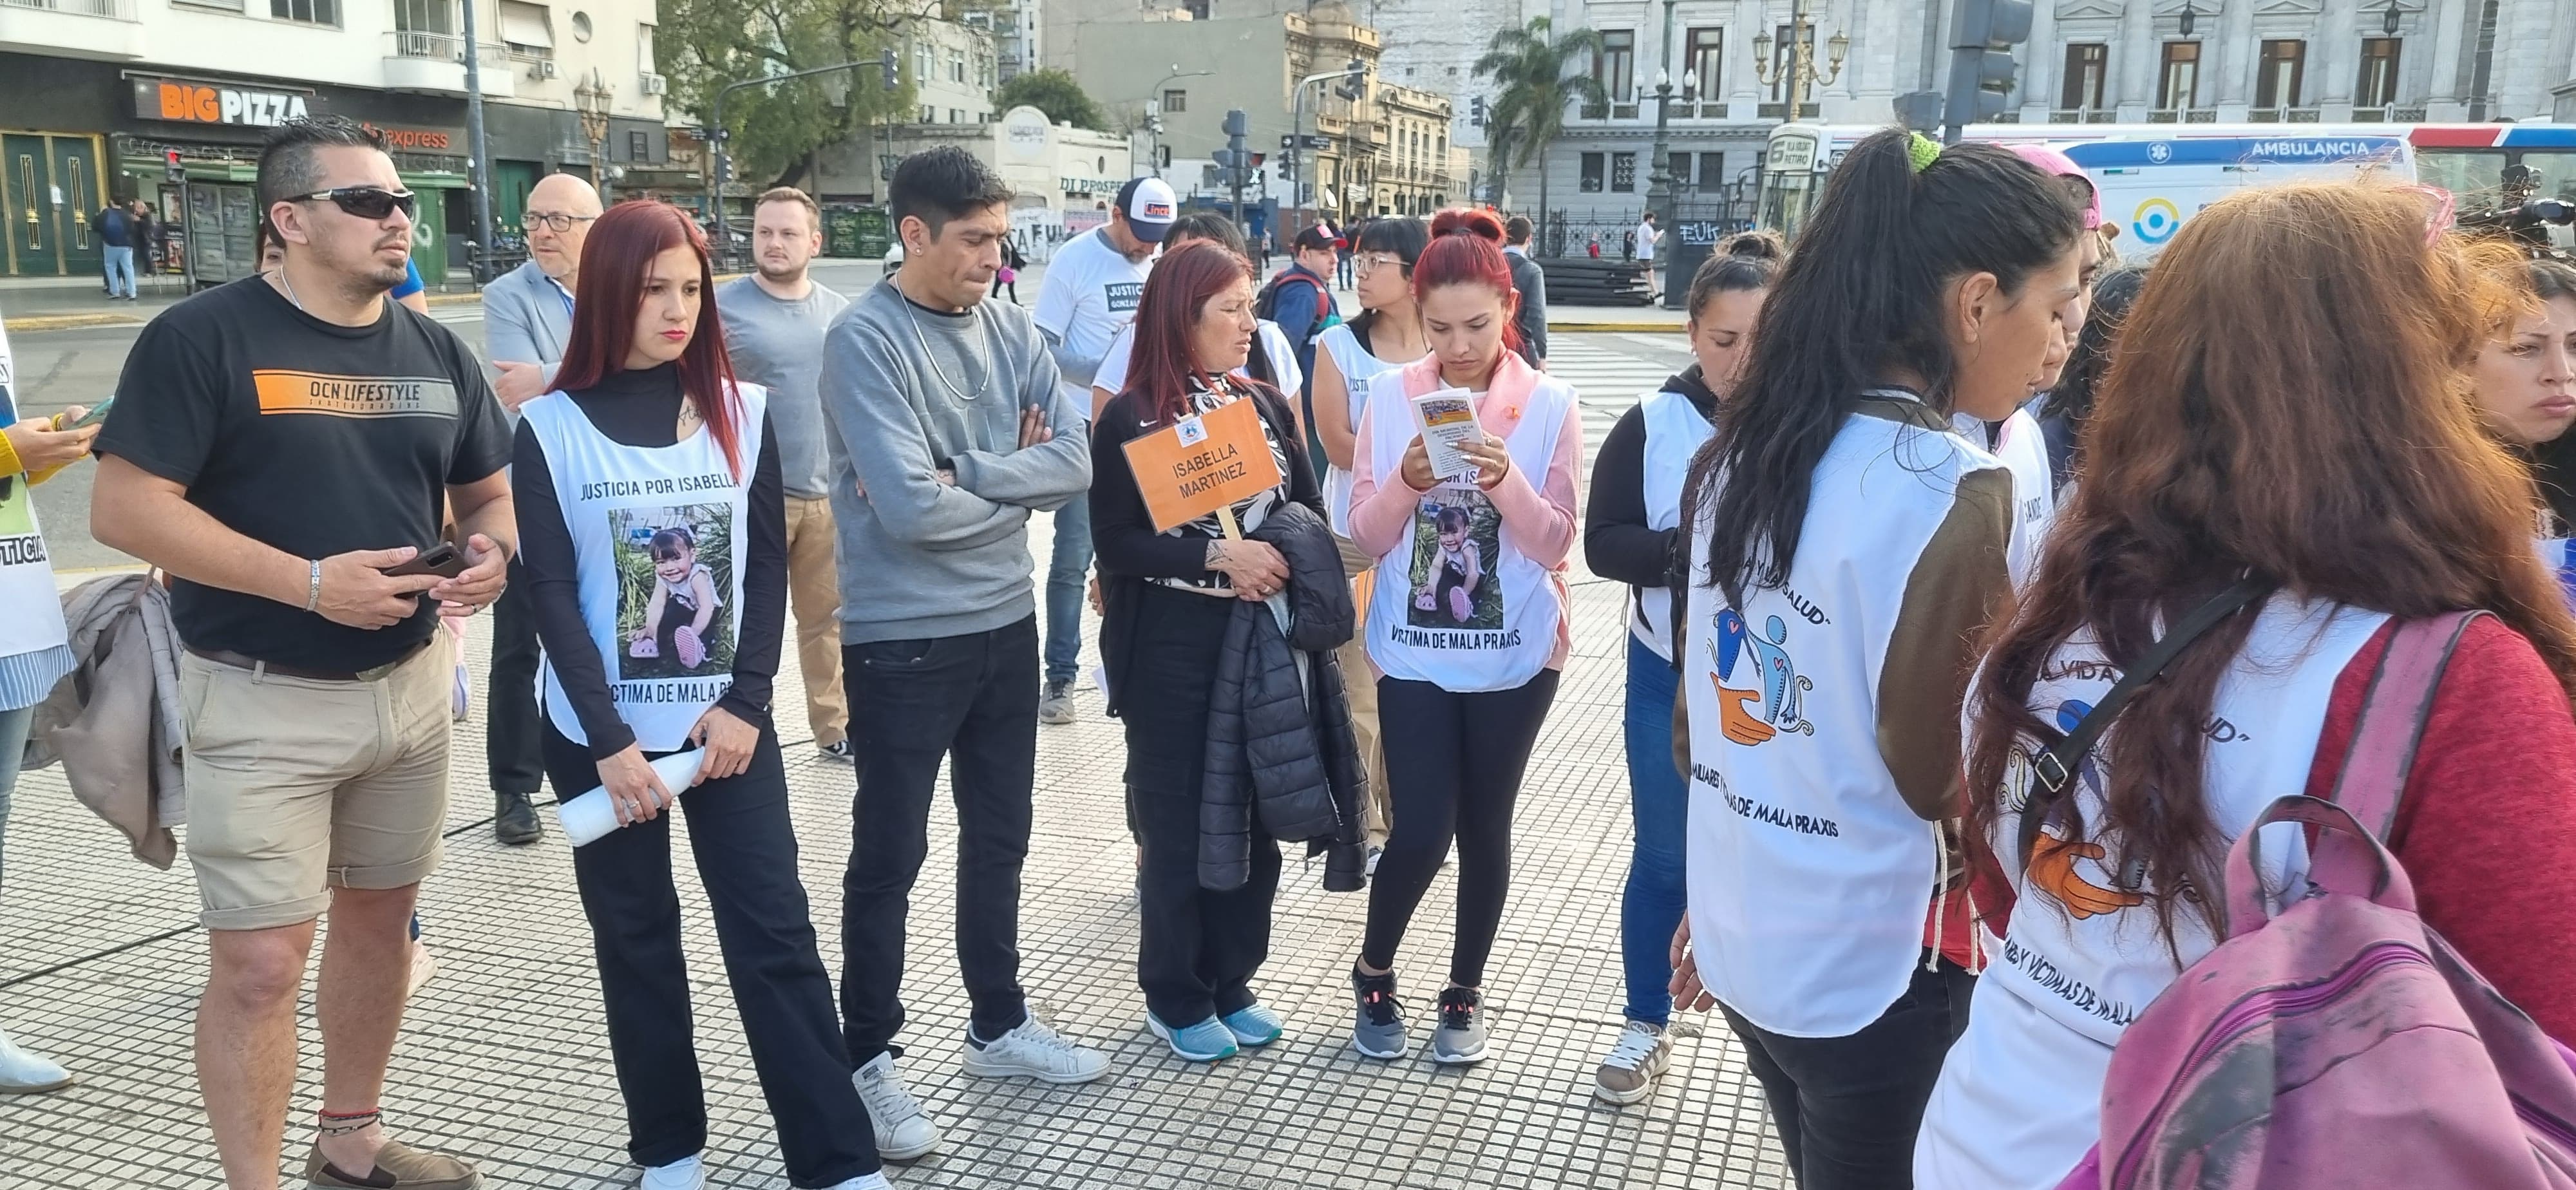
(398, 1167)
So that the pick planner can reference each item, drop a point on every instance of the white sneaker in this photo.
(873, 1181)
(687, 1173)
(23, 1073)
(1639, 1057)
(1034, 1050)
(903, 1130)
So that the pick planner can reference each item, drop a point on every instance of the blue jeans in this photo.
(1067, 570)
(120, 262)
(1652, 907)
(13, 748)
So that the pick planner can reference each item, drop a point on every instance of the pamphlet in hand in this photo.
(1448, 419)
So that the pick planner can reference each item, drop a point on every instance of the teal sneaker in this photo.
(1253, 1025)
(1206, 1041)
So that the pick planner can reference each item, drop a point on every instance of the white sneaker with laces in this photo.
(1636, 1059)
(872, 1181)
(903, 1129)
(687, 1173)
(23, 1073)
(1034, 1050)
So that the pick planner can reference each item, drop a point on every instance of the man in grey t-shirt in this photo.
(774, 321)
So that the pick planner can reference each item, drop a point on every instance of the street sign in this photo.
(1291, 142)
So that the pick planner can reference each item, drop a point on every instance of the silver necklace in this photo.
(290, 290)
(932, 357)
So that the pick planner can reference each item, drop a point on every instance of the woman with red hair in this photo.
(1467, 617)
(1169, 600)
(654, 531)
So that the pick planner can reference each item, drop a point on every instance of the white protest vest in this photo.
(1809, 876)
(1455, 603)
(2019, 1098)
(1674, 432)
(2024, 451)
(35, 621)
(655, 532)
(1358, 368)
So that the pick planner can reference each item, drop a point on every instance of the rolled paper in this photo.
(592, 815)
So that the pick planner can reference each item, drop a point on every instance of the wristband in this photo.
(313, 591)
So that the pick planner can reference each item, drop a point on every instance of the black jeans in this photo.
(973, 701)
(512, 730)
(1197, 950)
(1848, 1107)
(746, 855)
(1453, 771)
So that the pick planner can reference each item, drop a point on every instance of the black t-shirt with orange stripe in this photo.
(315, 438)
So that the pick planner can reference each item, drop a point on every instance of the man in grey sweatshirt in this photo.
(947, 431)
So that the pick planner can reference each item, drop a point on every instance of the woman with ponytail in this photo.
(1466, 619)
(650, 479)
(1632, 534)
(1847, 548)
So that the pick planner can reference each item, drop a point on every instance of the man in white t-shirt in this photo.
(1090, 294)
(1646, 237)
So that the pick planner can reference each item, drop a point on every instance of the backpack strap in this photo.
(2393, 714)
(2053, 769)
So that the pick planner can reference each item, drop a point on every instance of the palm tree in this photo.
(1538, 80)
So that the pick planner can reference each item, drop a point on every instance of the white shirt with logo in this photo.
(1091, 291)
(2024, 450)
(35, 622)
(2019, 1100)
(1674, 431)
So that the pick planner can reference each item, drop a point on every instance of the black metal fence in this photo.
(1575, 231)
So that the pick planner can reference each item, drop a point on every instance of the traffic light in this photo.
(170, 162)
(886, 63)
(1354, 84)
(1476, 111)
(1982, 70)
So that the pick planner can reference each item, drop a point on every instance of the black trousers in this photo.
(1848, 1107)
(746, 854)
(511, 726)
(1197, 950)
(972, 701)
(1453, 772)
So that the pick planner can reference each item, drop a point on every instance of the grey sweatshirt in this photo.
(921, 558)
(778, 344)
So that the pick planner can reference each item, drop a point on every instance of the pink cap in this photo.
(2054, 162)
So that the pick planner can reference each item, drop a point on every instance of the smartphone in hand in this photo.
(443, 560)
(96, 415)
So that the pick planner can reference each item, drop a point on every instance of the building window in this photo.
(1615, 64)
(2088, 67)
(956, 115)
(1175, 102)
(1782, 45)
(2378, 85)
(1704, 58)
(1623, 173)
(925, 63)
(436, 17)
(2278, 74)
(1679, 164)
(1712, 170)
(957, 66)
(644, 49)
(929, 114)
(1591, 183)
(639, 147)
(310, 12)
(2178, 87)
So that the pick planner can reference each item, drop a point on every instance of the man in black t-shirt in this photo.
(277, 446)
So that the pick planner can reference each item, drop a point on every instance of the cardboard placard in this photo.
(1201, 464)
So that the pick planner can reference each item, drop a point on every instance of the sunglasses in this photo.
(365, 202)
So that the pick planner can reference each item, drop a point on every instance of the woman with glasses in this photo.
(649, 442)
(1387, 335)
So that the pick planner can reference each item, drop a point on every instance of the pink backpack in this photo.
(2340, 1043)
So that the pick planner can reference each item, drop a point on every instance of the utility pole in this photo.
(1982, 34)
(480, 165)
(1659, 190)
(1297, 121)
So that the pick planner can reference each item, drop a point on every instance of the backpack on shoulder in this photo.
(1265, 304)
(2339, 1042)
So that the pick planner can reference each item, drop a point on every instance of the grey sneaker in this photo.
(1460, 1039)
(1378, 1030)
(1056, 705)
(1628, 1074)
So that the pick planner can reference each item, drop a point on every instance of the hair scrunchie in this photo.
(1921, 150)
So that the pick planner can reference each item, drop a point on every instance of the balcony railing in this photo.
(1780, 111)
(443, 47)
(2083, 115)
(2187, 115)
(114, 10)
(2388, 115)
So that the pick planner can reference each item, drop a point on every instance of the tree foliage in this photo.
(1538, 73)
(704, 45)
(1054, 92)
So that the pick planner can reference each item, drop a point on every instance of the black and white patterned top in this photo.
(1250, 511)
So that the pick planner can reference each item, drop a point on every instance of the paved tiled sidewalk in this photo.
(504, 1057)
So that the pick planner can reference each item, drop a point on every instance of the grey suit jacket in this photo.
(526, 319)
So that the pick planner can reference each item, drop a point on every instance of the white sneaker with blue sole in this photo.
(1207, 1041)
(1253, 1025)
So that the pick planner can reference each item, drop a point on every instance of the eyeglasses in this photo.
(1371, 261)
(557, 224)
(365, 202)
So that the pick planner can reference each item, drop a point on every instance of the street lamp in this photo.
(2190, 17)
(1799, 72)
(1659, 188)
(1154, 112)
(592, 97)
(2388, 20)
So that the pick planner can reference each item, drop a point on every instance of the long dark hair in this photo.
(2282, 404)
(1860, 297)
(1406, 238)
(2072, 400)
(1176, 296)
(621, 247)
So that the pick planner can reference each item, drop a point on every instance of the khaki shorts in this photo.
(296, 786)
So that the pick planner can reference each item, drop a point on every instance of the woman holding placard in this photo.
(648, 442)
(1168, 599)
(1467, 620)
